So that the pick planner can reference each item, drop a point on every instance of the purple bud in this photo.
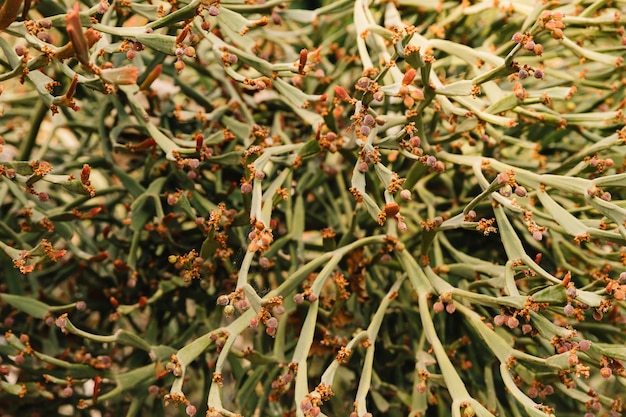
(369, 120)
(584, 345)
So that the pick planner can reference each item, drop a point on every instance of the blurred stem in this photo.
(26, 148)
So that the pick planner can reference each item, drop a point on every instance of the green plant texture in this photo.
(342, 208)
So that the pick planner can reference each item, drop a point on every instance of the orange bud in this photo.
(85, 173)
(342, 94)
(409, 76)
(304, 55)
(391, 209)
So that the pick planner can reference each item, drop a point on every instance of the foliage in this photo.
(356, 208)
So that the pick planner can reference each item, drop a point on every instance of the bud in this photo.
(409, 76)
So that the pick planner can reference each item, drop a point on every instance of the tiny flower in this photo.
(499, 320)
(305, 405)
(527, 328)
(530, 45)
(503, 178)
(363, 83)
(438, 307)
(512, 322)
(190, 410)
(246, 188)
(222, 300)
(557, 34)
(537, 235)
(584, 345)
(214, 11)
(369, 120)
(522, 74)
(450, 308)
(179, 66)
(517, 37)
(520, 191)
(272, 322)
(568, 309)
(298, 298)
(68, 391)
(606, 372)
(538, 74)
(405, 194)
(229, 310)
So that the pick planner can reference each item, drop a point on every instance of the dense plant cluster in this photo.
(353, 208)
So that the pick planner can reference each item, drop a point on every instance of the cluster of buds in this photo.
(231, 302)
(268, 314)
(537, 389)
(595, 191)
(536, 230)
(408, 92)
(174, 366)
(331, 141)
(528, 43)
(280, 386)
(510, 321)
(433, 163)
(445, 301)
(369, 87)
(600, 164)
(617, 288)
(553, 22)
(220, 339)
(509, 185)
(190, 265)
(413, 145)
(260, 237)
